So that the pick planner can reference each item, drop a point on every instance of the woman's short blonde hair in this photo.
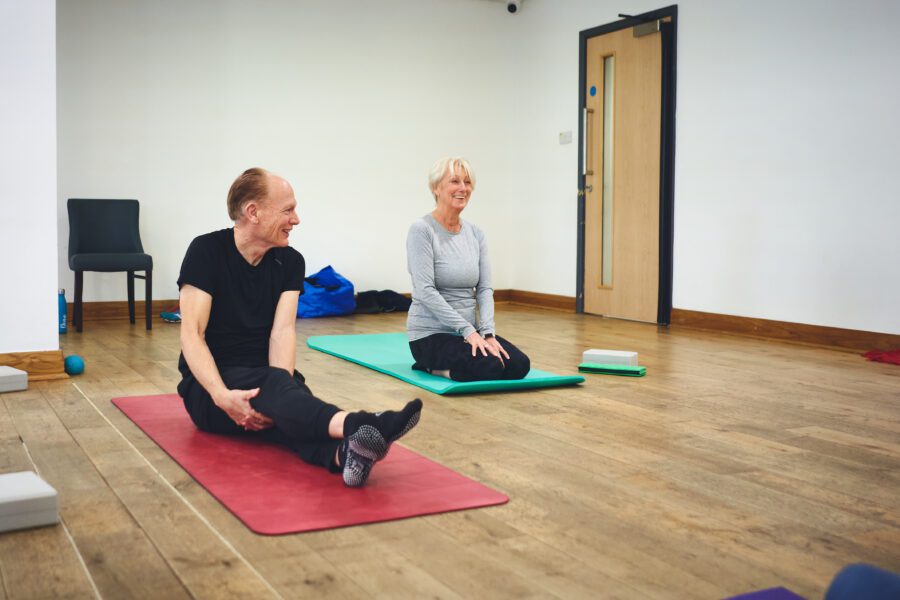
(446, 165)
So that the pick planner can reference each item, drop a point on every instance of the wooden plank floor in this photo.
(736, 464)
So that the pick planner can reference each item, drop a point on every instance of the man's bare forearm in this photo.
(201, 363)
(283, 350)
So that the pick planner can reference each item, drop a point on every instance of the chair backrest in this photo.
(103, 226)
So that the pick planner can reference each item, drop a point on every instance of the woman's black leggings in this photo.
(301, 420)
(447, 351)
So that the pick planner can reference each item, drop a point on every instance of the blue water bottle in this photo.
(62, 311)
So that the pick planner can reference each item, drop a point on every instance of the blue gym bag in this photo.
(325, 294)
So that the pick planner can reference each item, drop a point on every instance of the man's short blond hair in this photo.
(252, 184)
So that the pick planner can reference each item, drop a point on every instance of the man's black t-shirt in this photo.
(244, 297)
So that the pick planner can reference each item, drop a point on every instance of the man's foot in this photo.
(391, 424)
(364, 448)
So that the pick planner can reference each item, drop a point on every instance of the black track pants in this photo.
(301, 420)
(447, 351)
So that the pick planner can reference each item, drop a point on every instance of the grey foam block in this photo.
(26, 500)
(12, 379)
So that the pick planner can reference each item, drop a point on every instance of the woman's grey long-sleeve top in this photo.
(451, 279)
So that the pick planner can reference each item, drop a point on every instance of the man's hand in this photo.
(236, 404)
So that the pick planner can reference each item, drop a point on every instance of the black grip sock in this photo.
(391, 424)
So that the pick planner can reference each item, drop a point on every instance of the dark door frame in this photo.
(668, 30)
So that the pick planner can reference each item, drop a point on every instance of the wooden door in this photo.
(623, 106)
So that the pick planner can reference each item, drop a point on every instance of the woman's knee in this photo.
(493, 369)
(518, 366)
(479, 368)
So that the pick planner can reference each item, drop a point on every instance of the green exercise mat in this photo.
(628, 370)
(389, 353)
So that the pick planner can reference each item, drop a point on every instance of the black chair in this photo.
(104, 236)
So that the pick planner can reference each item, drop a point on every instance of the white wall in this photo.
(784, 208)
(786, 205)
(28, 268)
(169, 101)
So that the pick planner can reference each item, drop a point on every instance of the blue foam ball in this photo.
(74, 365)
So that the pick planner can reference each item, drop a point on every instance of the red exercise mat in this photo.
(273, 492)
(886, 356)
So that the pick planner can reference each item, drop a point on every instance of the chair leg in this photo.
(76, 308)
(148, 289)
(131, 296)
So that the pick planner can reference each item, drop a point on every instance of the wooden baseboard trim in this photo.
(502, 295)
(537, 299)
(819, 335)
(103, 311)
(40, 366)
(850, 339)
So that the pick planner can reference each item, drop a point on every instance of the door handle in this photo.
(584, 141)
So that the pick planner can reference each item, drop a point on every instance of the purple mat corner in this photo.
(776, 593)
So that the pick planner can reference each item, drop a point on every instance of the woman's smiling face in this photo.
(454, 190)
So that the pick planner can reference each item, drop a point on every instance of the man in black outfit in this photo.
(239, 291)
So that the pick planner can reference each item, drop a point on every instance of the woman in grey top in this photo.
(451, 320)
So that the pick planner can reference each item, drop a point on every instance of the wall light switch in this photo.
(565, 137)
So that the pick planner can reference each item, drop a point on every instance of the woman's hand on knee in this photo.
(497, 349)
(236, 404)
(479, 343)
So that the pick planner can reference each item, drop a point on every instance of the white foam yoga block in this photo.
(12, 379)
(26, 500)
(611, 357)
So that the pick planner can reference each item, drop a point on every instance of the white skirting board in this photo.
(26, 500)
